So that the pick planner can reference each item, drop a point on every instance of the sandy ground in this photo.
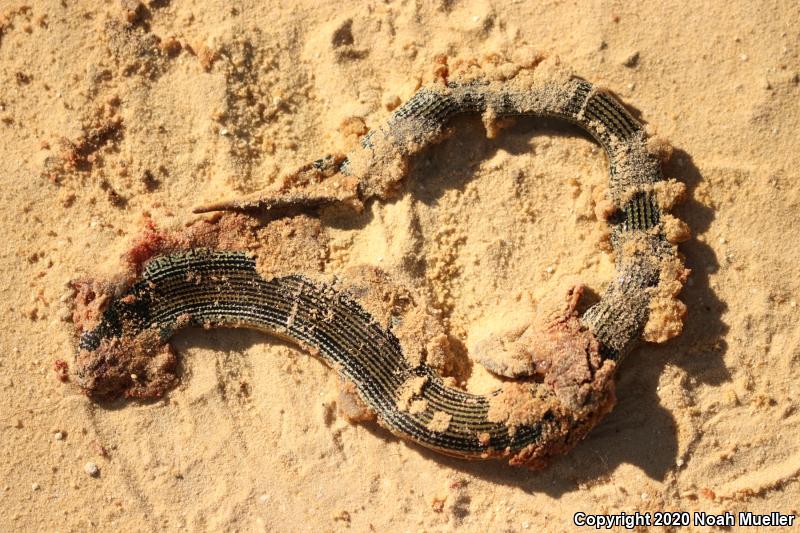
(194, 101)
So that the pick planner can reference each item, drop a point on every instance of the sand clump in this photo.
(574, 386)
(666, 313)
(134, 367)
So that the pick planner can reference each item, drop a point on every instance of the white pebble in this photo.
(35, 486)
(91, 469)
(58, 435)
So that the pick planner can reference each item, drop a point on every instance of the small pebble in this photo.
(632, 60)
(91, 469)
(35, 487)
(391, 102)
(58, 435)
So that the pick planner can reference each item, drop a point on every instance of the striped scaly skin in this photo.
(202, 287)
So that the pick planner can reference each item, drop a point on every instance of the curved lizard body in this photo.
(574, 356)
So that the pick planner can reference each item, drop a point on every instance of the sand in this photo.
(113, 115)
